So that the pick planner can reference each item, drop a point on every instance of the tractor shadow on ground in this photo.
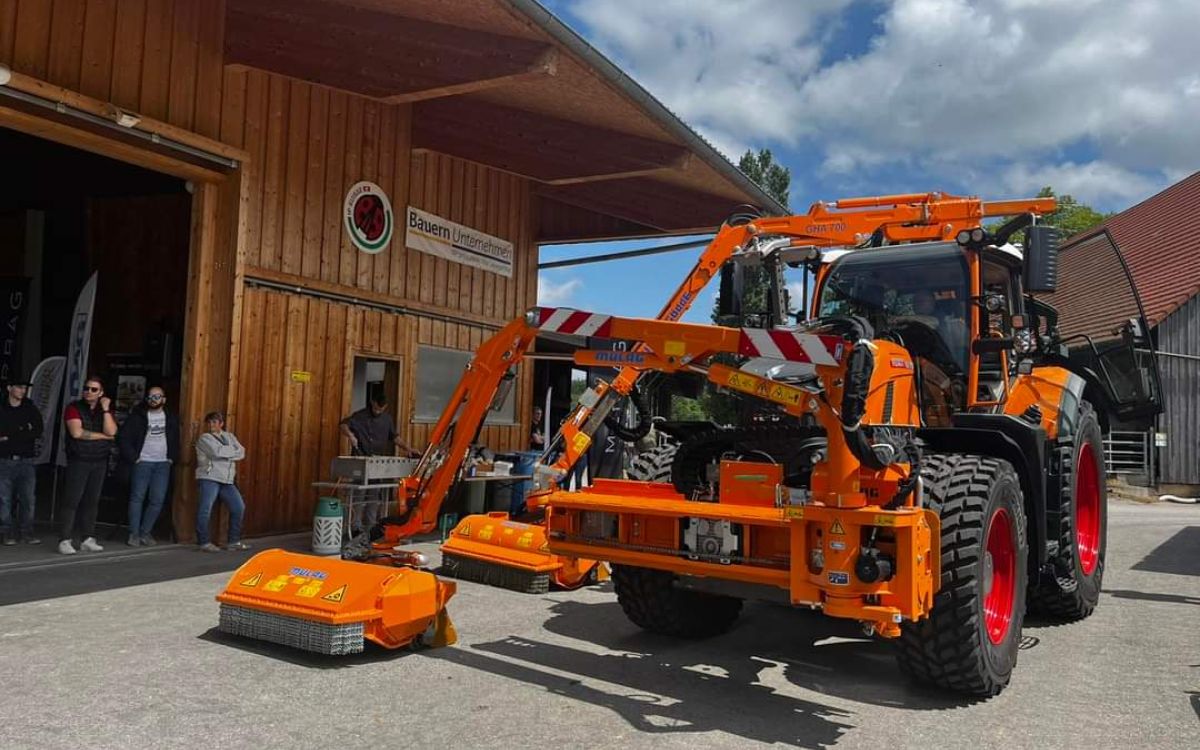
(757, 681)
(1177, 555)
(370, 655)
(1149, 596)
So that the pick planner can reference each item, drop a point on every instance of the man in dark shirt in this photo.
(372, 432)
(20, 429)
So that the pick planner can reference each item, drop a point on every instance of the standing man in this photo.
(91, 430)
(537, 438)
(20, 429)
(149, 445)
(372, 432)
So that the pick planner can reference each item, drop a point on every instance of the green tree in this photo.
(1072, 217)
(772, 177)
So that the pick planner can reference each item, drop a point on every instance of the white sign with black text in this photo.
(445, 239)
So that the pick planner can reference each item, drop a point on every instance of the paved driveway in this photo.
(140, 666)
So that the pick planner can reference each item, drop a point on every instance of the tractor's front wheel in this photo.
(651, 601)
(968, 643)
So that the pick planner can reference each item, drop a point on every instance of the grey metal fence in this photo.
(1127, 453)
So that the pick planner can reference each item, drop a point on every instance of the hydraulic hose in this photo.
(639, 431)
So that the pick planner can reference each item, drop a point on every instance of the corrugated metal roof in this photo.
(1160, 241)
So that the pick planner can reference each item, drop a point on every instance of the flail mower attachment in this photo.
(330, 606)
(495, 550)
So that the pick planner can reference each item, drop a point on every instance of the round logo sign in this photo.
(368, 214)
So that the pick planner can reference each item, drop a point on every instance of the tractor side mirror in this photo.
(1041, 259)
(733, 283)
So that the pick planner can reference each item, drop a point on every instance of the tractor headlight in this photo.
(1024, 341)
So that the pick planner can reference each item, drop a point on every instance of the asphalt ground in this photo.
(120, 651)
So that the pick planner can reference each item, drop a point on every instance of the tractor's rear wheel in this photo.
(1082, 531)
(968, 643)
(654, 465)
(651, 601)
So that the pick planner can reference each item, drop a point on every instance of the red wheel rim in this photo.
(1087, 509)
(1000, 576)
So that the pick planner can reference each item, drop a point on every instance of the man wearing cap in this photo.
(20, 429)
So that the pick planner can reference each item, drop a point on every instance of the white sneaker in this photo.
(89, 545)
(66, 548)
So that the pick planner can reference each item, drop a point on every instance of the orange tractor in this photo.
(933, 461)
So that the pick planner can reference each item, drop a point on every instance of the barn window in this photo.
(438, 373)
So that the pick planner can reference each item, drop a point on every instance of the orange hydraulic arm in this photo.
(487, 380)
(908, 217)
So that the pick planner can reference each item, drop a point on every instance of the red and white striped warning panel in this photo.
(573, 322)
(791, 346)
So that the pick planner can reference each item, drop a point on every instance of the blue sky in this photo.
(1098, 98)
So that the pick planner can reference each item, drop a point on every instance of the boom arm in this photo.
(897, 218)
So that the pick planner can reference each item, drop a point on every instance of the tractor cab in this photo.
(973, 314)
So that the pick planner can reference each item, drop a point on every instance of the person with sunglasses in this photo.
(91, 430)
(149, 446)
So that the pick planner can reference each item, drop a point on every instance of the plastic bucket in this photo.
(522, 466)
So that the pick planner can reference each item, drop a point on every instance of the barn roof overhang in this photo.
(505, 84)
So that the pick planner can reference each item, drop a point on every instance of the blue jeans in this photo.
(209, 492)
(148, 477)
(17, 481)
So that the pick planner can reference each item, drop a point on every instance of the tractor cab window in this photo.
(917, 296)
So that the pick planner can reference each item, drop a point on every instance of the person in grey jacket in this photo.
(217, 454)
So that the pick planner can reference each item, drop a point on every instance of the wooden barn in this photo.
(263, 190)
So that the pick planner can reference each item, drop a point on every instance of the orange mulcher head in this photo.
(495, 550)
(332, 606)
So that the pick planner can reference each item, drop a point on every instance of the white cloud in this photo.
(1094, 182)
(722, 66)
(551, 292)
(1102, 96)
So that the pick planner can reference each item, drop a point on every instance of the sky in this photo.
(998, 98)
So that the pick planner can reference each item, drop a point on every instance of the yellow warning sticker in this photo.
(881, 520)
(673, 348)
(581, 442)
(783, 394)
(792, 511)
(836, 527)
(545, 547)
(485, 532)
(309, 590)
(278, 582)
(525, 540)
(464, 529)
(253, 580)
(337, 594)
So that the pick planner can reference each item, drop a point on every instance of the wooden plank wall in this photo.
(306, 146)
(281, 215)
(162, 58)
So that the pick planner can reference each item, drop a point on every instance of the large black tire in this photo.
(959, 646)
(1074, 590)
(654, 465)
(651, 601)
